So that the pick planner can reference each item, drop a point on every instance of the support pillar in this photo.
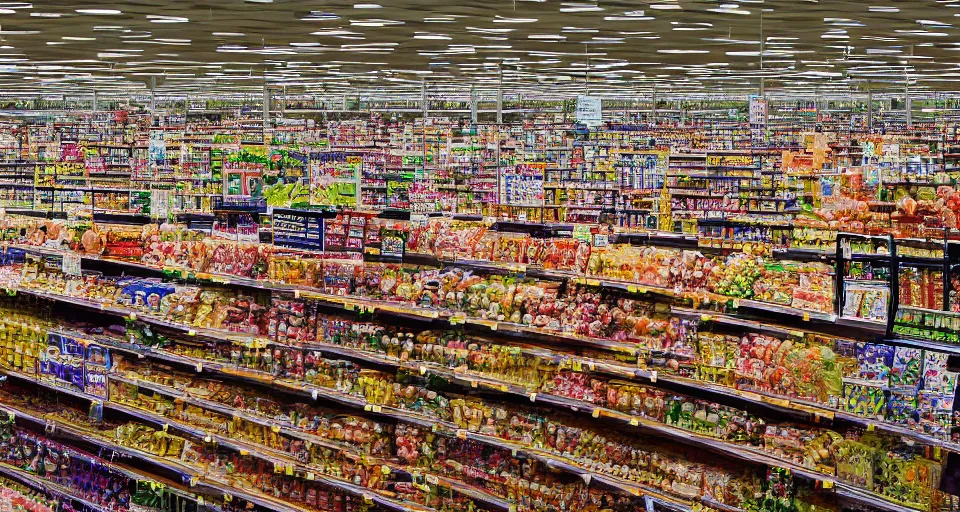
(266, 106)
(423, 100)
(473, 104)
(907, 102)
(500, 97)
(653, 108)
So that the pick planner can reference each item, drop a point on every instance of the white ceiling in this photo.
(541, 46)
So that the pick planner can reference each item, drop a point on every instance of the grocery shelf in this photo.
(47, 486)
(696, 388)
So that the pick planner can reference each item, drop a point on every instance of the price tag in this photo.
(648, 503)
(296, 294)
(634, 422)
(432, 479)
(596, 413)
(632, 289)
(275, 428)
(368, 407)
(191, 332)
(806, 316)
(194, 480)
(533, 397)
(504, 388)
(311, 476)
(587, 478)
(289, 469)
(591, 366)
(201, 501)
(348, 306)
(314, 394)
(199, 367)
(461, 434)
(735, 303)
(653, 376)
(871, 427)
(208, 439)
(227, 498)
(474, 383)
(376, 408)
(828, 484)
(133, 316)
(706, 318)
(244, 453)
(423, 370)
(166, 427)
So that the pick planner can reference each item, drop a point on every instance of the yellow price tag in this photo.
(828, 484)
(634, 422)
(227, 498)
(632, 289)
(311, 476)
(244, 453)
(806, 316)
(289, 469)
(191, 332)
(596, 413)
(275, 429)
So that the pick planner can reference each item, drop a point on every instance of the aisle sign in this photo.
(589, 110)
(157, 147)
(758, 111)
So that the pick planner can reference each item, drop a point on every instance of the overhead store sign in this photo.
(589, 110)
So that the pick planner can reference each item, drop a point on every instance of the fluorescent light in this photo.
(99, 12)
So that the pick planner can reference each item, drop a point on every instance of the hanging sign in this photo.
(589, 110)
(758, 111)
